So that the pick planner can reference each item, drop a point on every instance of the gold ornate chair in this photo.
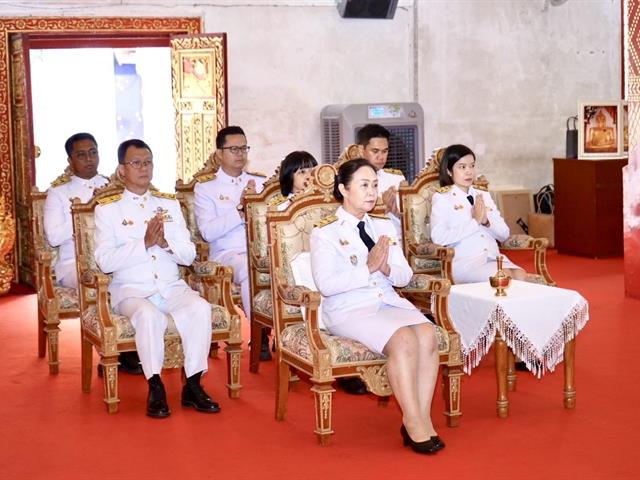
(255, 208)
(304, 346)
(7, 240)
(427, 257)
(186, 197)
(110, 333)
(55, 302)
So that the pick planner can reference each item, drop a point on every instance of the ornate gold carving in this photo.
(376, 379)
(13, 110)
(198, 75)
(7, 240)
(173, 353)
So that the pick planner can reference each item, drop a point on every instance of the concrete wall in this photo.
(498, 75)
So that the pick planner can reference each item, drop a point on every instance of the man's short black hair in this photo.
(369, 131)
(221, 138)
(76, 137)
(124, 146)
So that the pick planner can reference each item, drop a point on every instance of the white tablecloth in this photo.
(534, 320)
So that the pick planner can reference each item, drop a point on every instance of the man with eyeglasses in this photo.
(83, 158)
(141, 237)
(220, 215)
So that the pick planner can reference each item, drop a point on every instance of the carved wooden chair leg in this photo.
(511, 372)
(502, 402)
(213, 352)
(283, 373)
(256, 344)
(323, 392)
(110, 380)
(42, 337)
(51, 329)
(451, 385)
(569, 385)
(234, 353)
(87, 364)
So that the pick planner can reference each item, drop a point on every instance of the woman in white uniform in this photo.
(295, 173)
(466, 218)
(356, 262)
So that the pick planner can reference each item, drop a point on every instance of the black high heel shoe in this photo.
(437, 441)
(427, 447)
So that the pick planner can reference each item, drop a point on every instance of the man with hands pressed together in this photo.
(141, 237)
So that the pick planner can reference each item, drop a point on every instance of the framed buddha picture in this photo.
(601, 129)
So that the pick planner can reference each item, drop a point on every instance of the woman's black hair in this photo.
(290, 165)
(451, 155)
(346, 172)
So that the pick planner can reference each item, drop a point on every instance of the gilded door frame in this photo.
(64, 25)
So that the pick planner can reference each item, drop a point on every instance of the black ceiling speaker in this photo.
(367, 8)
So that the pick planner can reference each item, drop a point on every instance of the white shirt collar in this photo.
(226, 178)
(134, 196)
(350, 220)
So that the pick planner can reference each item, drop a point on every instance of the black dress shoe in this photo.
(193, 395)
(265, 353)
(352, 385)
(427, 447)
(437, 441)
(157, 406)
(521, 367)
(130, 363)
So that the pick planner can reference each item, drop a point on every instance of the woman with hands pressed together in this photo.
(464, 216)
(356, 261)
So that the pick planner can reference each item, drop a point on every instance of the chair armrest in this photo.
(216, 282)
(258, 263)
(310, 300)
(44, 273)
(432, 291)
(202, 251)
(433, 251)
(539, 247)
(100, 281)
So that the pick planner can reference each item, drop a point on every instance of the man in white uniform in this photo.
(373, 140)
(141, 237)
(219, 214)
(83, 158)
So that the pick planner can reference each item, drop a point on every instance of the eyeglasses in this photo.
(84, 154)
(237, 150)
(138, 164)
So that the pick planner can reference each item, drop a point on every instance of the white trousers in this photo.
(238, 260)
(66, 274)
(192, 317)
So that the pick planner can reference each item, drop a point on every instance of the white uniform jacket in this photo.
(58, 225)
(139, 272)
(387, 178)
(339, 266)
(453, 226)
(218, 219)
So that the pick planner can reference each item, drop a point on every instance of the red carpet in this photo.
(51, 430)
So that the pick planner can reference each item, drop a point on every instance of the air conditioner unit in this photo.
(405, 122)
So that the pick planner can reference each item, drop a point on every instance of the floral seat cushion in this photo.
(125, 330)
(263, 304)
(67, 298)
(342, 350)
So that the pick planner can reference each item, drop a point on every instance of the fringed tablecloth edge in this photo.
(553, 351)
(473, 354)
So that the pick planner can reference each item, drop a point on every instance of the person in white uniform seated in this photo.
(373, 141)
(294, 176)
(465, 217)
(83, 158)
(219, 210)
(356, 261)
(141, 238)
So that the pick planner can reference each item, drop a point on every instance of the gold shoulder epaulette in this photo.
(394, 171)
(257, 174)
(277, 200)
(379, 215)
(326, 221)
(443, 189)
(110, 199)
(481, 187)
(205, 177)
(61, 180)
(157, 193)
